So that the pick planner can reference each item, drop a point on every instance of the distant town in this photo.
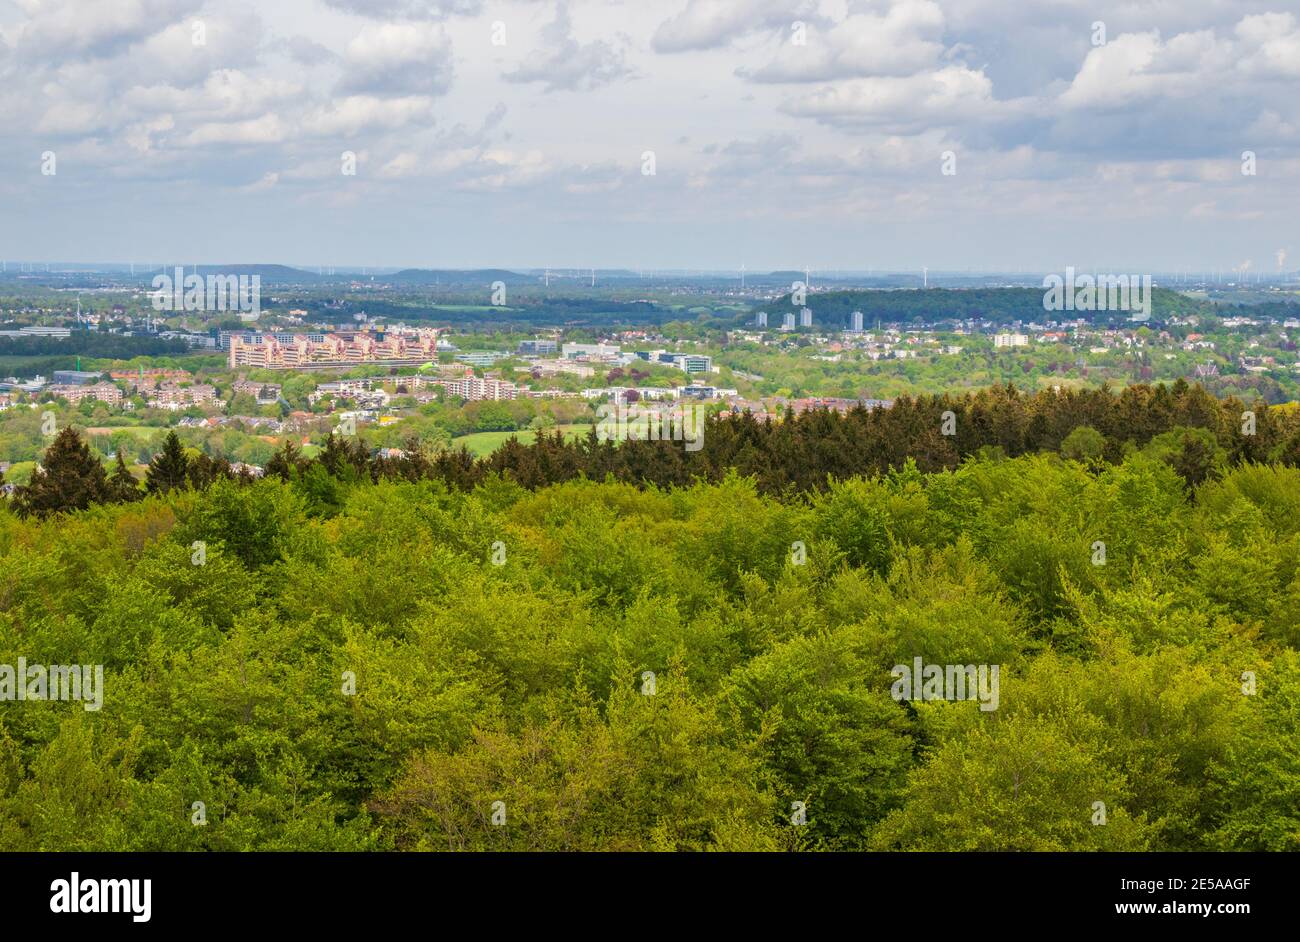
(423, 362)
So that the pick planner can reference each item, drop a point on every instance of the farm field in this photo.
(481, 444)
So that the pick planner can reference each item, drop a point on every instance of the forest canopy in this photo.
(352, 655)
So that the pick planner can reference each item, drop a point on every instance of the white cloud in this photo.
(707, 24)
(387, 9)
(747, 126)
(357, 113)
(232, 39)
(505, 169)
(1136, 67)
(1271, 45)
(63, 29)
(73, 118)
(268, 129)
(951, 95)
(902, 41)
(268, 181)
(567, 64)
(398, 58)
(226, 93)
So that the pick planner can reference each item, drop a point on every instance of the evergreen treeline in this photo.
(802, 452)
(1190, 430)
(89, 343)
(71, 478)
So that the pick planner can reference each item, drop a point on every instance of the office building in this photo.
(75, 378)
(537, 347)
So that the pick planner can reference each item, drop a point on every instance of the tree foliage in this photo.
(425, 652)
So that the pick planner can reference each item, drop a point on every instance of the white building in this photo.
(473, 389)
(595, 351)
(693, 363)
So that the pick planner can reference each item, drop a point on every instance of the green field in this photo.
(139, 431)
(484, 443)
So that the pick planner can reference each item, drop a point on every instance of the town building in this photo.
(53, 332)
(299, 351)
(475, 389)
(481, 358)
(537, 347)
(263, 393)
(104, 392)
(591, 351)
(553, 367)
(693, 363)
(75, 377)
(174, 396)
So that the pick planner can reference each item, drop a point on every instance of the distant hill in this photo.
(477, 276)
(280, 274)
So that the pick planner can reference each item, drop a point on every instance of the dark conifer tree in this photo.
(122, 484)
(205, 469)
(286, 463)
(68, 478)
(1194, 461)
(169, 468)
(344, 458)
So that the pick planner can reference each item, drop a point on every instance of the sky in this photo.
(685, 134)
